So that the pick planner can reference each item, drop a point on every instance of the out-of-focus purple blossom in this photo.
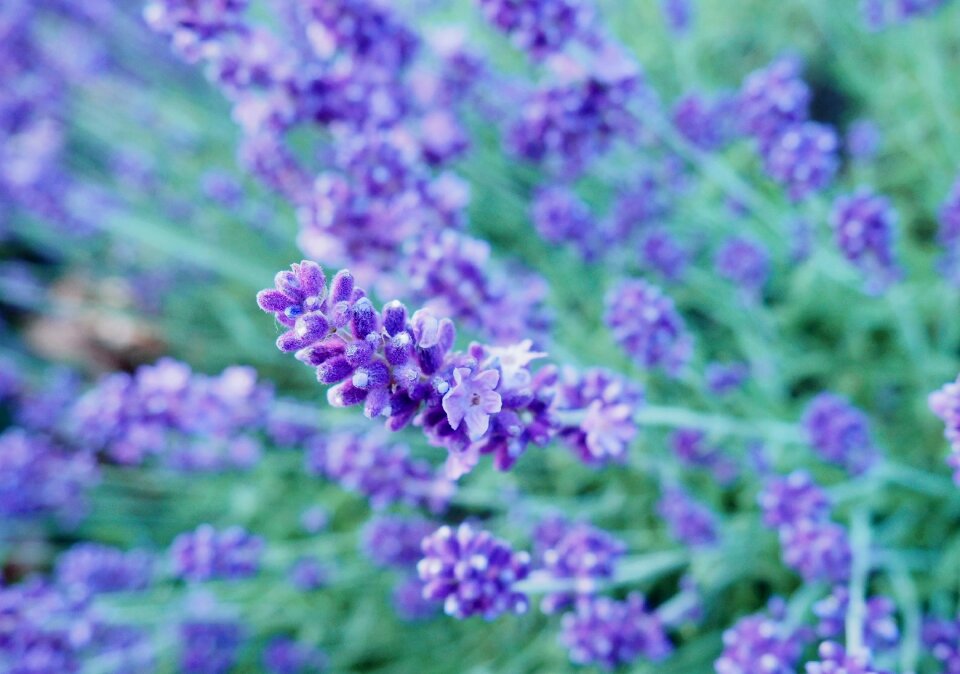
(678, 15)
(193, 24)
(880, 14)
(605, 404)
(308, 573)
(209, 647)
(646, 200)
(802, 239)
(646, 324)
(191, 421)
(864, 226)
(283, 655)
(762, 642)
(314, 519)
(208, 553)
(89, 569)
(689, 522)
(942, 640)
(222, 188)
(561, 217)
(840, 433)
(786, 501)
(409, 602)
(880, 629)
(818, 551)
(609, 633)
(803, 158)
(394, 540)
(945, 403)
(744, 262)
(382, 471)
(948, 236)
(834, 659)
(576, 551)
(540, 27)
(662, 253)
(38, 477)
(707, 123)
(772, 99)
(691, 447)
(722, 379)
(863, 140)
(472, 573)
(362, 30)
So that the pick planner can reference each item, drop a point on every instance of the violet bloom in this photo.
(762, 642)
(662, 253)
(395, 541)
(560, 217)
(473, 573)
(409, 602)
(840, 433)
(38, 630)
(678, 15)
(744, 262)
(646, 324)
(609, 633)
(834, 659)
(308, 573)
(606, 404)
(786, 501)
(722, 379)
(880, 629)
(540, 27)
(803, 158)
(945, 403)
(89, 569)
(773, 98)
(818, 551)
(864, 226)
(282, 655)
(471, 400)
(863, 140)
(704, 122)
(948, 235)
(689, 522)
(691, 447)
(942, 640)
(208, 553)
(191, 24)
(576, 551)
(209, 647)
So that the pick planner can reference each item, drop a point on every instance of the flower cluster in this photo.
(540, 27)
(834, 659)
(472, 573)
(646, 324)
(864, 227)
(691, 447)
(762, 642)
(745, 263)
(840, 433)
(880, 629)
(948, 236)
(688, 521)
(395, 541)
(208, 553)
(89, 569)
(945, 403)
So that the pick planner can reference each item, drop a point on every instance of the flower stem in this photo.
(856, 610)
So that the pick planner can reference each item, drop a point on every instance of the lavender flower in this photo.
(662, 253)
(608, 633)
(704, 122)
(647, 326)
(192, 24)
(840, 433)
(744, 262)
(942, 639)
(540, 27)
(864, 226)
(209, 647)
(879, 626)
(803, 158)
(772, 99)
(560, 216)
(761, 642)
(472, 572)
(409, 602)
(722, 379)
(89, 569)
(395, 541)
(945, 403)
(286, 656)
(677, 14)
(472, 399)
(948, 235)
(607, 404)
(818, 551)
(308, 573)
(576, 551)
(35, 630)
(690, 522)
(690, 446)
(835, 660)
(207, 553)
(863, 140)
(787, 501)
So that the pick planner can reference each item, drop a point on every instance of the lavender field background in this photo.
(480, 336)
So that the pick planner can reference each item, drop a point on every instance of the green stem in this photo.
(860, 569)
(630, 570)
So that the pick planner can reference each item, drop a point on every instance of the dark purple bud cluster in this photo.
(646, 324)
(804, 159)
(608, 633)
(840, 433)
(773, 99)
(865, 228)
(880, 630)
(472, 573)
(689, 521)
(762, 642)
(792, 498)
(576, 551)
(540, 27)
(208, 553)
(834, 659)
(394, 541)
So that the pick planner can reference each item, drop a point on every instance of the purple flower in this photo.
(863, 140)
(833, 659)
(864, 227)
(286, 656)
(706, 123)
(576, 551)
(540, 27)
(409, 602)
(308, 573)
(209, 647)
(803, 158)
(945, 403)
(606, 404)
(787, 501)
(817, 550)
(744, 262)
(560, 216)
(662, 253)
(206, 553)
(608, 633)
(840, 433)
(677, 14)
(942, 639)
(879, 625)
(191, 23)
(472, 399)
(395, 541)
(473, 573)
(722, 379)
(690, 446)
(690, 522)
(35, 630)
(772, 99)
(647, 326)
(761, 643)
(948, 236)
(88, 569)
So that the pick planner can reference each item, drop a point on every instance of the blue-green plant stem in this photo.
(859, 572)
